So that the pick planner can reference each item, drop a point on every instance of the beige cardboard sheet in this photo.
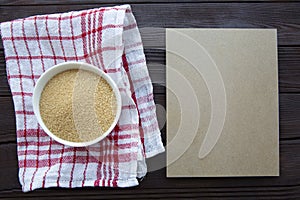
(222, 102)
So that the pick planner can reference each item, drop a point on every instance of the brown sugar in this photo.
(78, 105)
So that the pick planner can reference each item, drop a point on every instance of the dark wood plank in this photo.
(156, 185)
(290, 192)
(289, 116)
(142, 193)
(283, 16)
(8, 159)
(7, 120)
(289, 110)
(4, 87)
(64, 2)
(289, 69)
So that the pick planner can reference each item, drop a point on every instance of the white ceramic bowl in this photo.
(50, 73)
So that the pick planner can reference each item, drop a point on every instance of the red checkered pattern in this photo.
(109, 39)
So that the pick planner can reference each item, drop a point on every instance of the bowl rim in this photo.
(59, 68)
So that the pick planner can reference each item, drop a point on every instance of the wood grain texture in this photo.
(282, 16)
(156, 185)
(59, 2)
(152, 17)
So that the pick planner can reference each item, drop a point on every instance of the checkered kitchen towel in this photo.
(109, 39)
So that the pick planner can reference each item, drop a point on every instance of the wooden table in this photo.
(158, 14)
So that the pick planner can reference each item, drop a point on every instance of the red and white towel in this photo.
(109, 39)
